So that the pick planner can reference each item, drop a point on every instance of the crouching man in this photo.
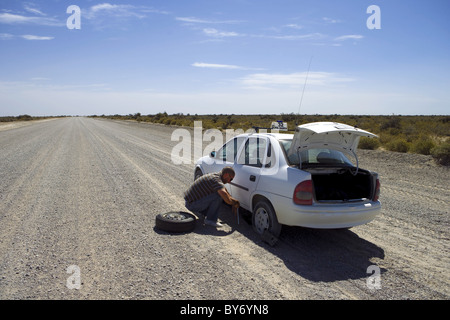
(205, 195)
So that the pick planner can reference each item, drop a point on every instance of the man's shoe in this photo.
(213, 224)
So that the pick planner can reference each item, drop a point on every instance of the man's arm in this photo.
(228, 198)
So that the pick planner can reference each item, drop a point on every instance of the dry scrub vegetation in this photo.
(25, 117)
(428, 135)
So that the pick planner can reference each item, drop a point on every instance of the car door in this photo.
(225, 156)
(248, 166)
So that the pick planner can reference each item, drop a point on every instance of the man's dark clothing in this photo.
(204, 186)
(202, 196)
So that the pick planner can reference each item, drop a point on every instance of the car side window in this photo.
(229, 150)
(271, 158)
(254, 152)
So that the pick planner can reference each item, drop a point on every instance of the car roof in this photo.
(278, 136)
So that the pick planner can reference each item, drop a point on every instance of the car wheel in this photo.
(177, 221)
(265, 222)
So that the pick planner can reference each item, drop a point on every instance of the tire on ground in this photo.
(176, 221)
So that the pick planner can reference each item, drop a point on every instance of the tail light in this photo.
(377, 191)
(303, 193)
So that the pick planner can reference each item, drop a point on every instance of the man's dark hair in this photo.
(228, 170)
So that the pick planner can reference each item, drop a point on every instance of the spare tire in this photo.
(176, 221)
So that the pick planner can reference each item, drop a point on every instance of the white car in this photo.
(302, 179)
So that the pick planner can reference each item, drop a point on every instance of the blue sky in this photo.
(223, 57)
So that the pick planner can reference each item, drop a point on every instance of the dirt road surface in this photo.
(81, 195)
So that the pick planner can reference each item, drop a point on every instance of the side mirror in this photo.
(212, 154)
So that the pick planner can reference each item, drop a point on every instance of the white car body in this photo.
(270, 175)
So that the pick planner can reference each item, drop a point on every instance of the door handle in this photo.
(252, 178)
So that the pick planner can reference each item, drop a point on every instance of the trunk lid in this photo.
(331, 135)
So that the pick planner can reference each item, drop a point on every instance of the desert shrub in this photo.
(7, 119)
(398, 145)
(423, 145)
(168, 121)
(25, 117)
(391, 123)
(441, 153)
(368, 143)
(386, 138)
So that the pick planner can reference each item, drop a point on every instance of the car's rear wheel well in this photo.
(257, 198)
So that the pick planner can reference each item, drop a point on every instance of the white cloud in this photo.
(222, 66)
(219, 34)
(32, 37)
(291, 80)
(192, 20)
(330, 20)
(215, 66)
(119, 11)
(214, 33)
(293, 26)
(105, 6)
(6, 36)
(206, 21)
(9, 18)
(31, 9)
(349, 37)
(308, 36)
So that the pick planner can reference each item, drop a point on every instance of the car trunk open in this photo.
(342, 185)
(333, 178)
(329, 135)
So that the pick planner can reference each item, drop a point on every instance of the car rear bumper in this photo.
(326, 216)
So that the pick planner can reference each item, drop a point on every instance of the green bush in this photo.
(368, 143)
(25, 117)
(441, 153)
(423, 145)
(391, 123)
(398, 145)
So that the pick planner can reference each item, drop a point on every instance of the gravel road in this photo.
(82, 194)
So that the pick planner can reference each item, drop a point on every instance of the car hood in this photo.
(331, 135)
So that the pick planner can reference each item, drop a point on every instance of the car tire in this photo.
(176, 221)
(198, 174)
(265, 222)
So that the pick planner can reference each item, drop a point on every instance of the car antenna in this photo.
(298, 113)
(303, 91)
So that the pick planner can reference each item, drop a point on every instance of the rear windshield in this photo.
(316, 157)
